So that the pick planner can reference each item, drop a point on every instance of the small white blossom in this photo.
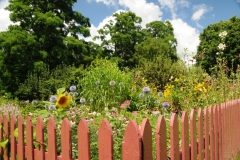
(221, 46)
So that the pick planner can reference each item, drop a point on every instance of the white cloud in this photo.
(199, 11)
(107, 2)
(187, 37)
(4, 18)
(147, 11)
(173, 5)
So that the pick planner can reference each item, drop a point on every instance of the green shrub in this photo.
(44, 82)
(105, 85)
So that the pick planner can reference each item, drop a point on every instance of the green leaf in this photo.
(42, 113)
(60, 91)
(16, 133)
(4, 143)
(48, 102)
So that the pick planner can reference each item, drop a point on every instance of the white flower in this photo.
(223, 34)
(217, 53)
(221, 46)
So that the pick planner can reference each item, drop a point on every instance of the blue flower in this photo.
(82, 100)
(141, 95)
(146, 90)
(73, 88)
(53, 99)
(52, 107)
(165, 105)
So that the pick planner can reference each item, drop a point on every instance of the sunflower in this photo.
(63, 101)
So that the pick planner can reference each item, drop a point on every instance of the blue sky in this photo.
(188, 17)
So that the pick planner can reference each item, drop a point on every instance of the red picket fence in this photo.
(214, 134)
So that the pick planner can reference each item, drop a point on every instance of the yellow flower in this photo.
(176, 80)
(200, 87)
(63, 101)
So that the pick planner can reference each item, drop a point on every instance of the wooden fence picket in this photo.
(52, 141)
(1, 136)
(206, 133)
(174, 137)
(83, 141)
(146, 134)
(40, 152)
(6, 136)
(216, 130)
(13, 141)
(30, 147)
(105, 141)
(193, 135)
(132, 143)
(200, 135)
(161, 139)
(211, 130)
(185, 136)
(21, 145)
(66, 141)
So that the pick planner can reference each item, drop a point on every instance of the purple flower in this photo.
(53, 99)
(146, 90)
(73, 88)
(165, 105)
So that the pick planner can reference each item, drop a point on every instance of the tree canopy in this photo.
(44, 33)
(121, 36)
(215, 46)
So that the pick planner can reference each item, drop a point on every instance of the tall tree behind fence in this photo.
(212, 133)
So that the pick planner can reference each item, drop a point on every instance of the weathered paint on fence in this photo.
(214, 134)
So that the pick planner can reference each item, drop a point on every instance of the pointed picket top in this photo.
(83, 141)
(66, 141)
(200, 135)
(105, 141)
(174, 136)
(185, 136)
(52, 140)
(161, 139)
(30, 148)
(13, 139)
(132, 144)
(40, 139)
(193, 135)
(21, 145)
(146, 134)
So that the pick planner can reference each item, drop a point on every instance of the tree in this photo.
(125, 33)
(210, 50)
(45, 33)
(159, 40)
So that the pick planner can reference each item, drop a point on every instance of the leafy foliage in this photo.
(210, 40)
(45, 33)
(45, 82)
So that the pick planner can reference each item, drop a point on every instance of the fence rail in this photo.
(212, 133)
